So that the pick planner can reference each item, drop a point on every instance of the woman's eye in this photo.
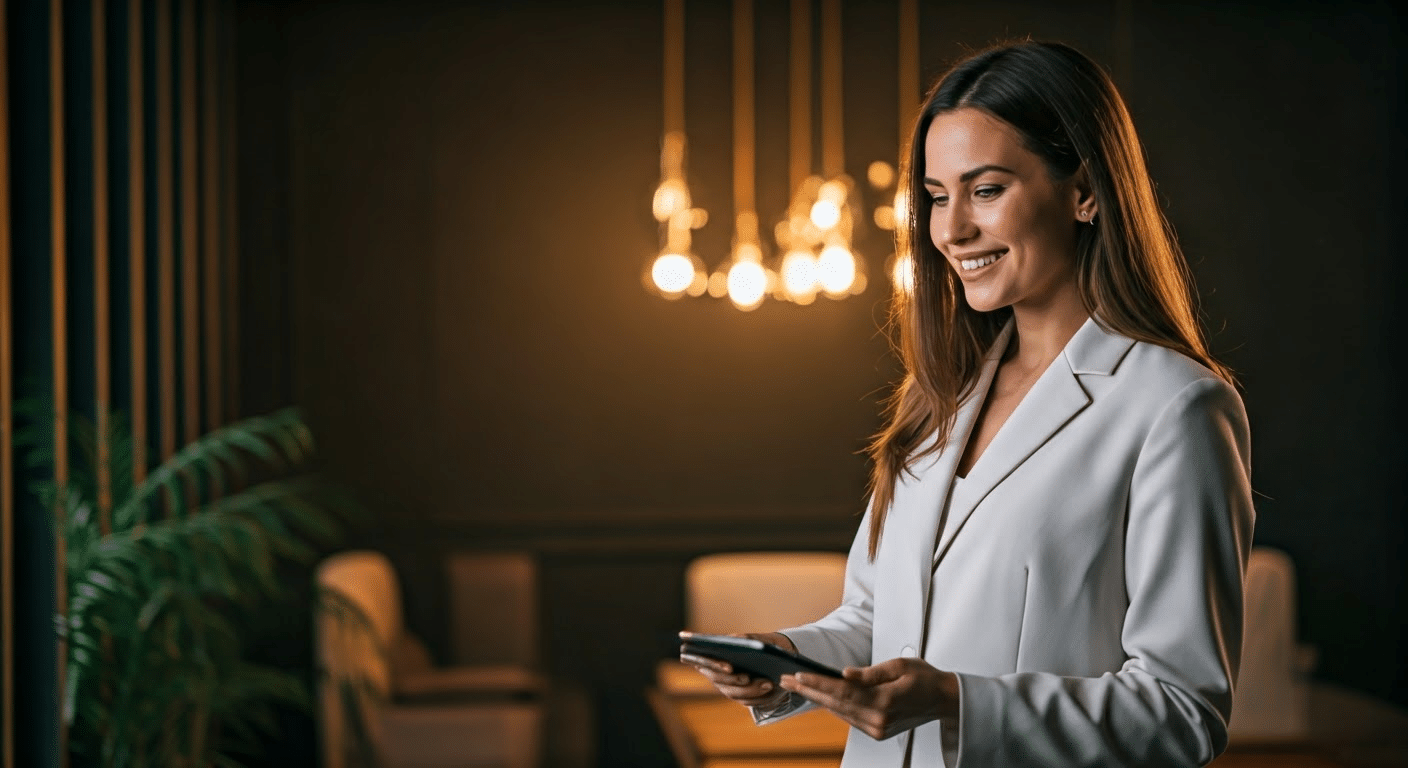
(987, 191)
(939, 198)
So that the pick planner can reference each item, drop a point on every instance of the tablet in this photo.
(753, 657)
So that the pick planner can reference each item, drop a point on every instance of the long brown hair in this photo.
(1131, 274)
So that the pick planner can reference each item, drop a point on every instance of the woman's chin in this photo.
(983, 301)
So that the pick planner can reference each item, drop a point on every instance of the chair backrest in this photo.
(1271, 697)
(493, 608)
(368, 580)
(358, 620)
(761, 591)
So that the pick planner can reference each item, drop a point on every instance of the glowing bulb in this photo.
(747, 282)
(902, 273)
(672, 273)
(718, 284)
(748, 252)
(826, 214)
(833, 190)
(799, 273)
(881, 174)
(671, 197)
(885, 217)
(836, 269)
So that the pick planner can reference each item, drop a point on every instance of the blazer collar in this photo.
(1055, 398)
(1096, 350)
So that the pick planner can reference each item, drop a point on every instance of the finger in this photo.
(757, 693)
(707, 663)
(842, 702)
(720, 679)
(873, 675)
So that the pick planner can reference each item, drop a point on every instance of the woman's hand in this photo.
(884, 699)
(741, 687)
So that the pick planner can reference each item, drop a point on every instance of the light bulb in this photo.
(672, 272)
(748, 252)
(799, 273)
(825, 214)
(747, 282)
(881, 174)
(836, 269)
(884, 217)
(671, 197)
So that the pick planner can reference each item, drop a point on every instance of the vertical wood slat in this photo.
(210, 210)
(165, 247)
(799, 98)
(229, 210)
(7, 479)
(102, 340)
(744, 124)
(190, 236)
(137, 239)
(59, 275)
(908, 68)
(833, 150)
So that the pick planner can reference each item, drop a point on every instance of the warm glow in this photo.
(836, 269)
(885, 217)
(673, 273)
(671, 197)
(833, 190)
(881, 174)
(826, 214)
(902, 273)
(718, 284)
(799, 273)
(748, 252)
(901, 206)
(747, 282)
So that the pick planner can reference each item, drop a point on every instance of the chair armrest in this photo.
(463, 683)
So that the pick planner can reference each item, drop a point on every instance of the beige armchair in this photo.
(1272, 696)
(382, 702)
(752, 592)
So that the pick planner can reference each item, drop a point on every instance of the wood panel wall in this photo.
(123, 100)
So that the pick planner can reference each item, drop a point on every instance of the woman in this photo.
(1050, 569)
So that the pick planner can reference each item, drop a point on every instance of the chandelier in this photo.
(814, 255)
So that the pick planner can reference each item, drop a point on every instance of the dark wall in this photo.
(466, 190)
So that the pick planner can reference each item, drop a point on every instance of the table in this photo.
(705, 730)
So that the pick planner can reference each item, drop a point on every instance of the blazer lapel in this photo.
(1053, 401)
(913, 526)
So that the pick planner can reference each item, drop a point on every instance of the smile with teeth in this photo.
(981, 261)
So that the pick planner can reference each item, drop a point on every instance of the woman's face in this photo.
(1000, 221)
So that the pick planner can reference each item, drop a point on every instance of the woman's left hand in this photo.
(885, 699)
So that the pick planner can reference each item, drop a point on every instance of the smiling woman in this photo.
(1050, 570)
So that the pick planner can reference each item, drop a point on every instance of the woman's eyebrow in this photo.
(971, 174)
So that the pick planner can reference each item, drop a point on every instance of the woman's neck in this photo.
(1042, 332)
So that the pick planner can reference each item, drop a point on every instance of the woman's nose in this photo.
(954, 225)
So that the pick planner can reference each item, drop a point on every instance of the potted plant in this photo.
(162, 577)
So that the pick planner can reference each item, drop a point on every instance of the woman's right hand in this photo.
(739, 686)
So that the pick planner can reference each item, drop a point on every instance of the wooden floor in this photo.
(1309, 760)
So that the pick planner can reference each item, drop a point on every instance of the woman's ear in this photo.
(1083, 196)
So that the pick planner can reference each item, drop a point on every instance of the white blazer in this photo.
(1090, 597)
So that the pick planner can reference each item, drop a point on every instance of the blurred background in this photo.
(428, 225)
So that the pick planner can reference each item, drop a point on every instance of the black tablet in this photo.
(753, 657)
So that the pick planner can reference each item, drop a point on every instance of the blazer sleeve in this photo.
(1187, 540)
(841, 638)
